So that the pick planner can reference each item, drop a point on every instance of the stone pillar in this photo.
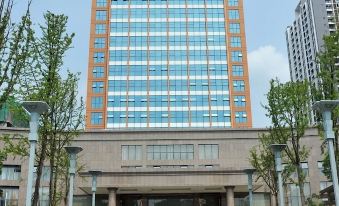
(112, 196)
(230, 195)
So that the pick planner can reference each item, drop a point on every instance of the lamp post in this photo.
(72, 153)
(95, 174)
(35, 108)
(249, 173)
(277, 148)
(325, 107)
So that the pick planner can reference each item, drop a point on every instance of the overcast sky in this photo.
(265, 29)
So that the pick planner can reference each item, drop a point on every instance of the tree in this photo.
(327, 88)
(288, 109)
(12, 145)
(262, 159)
(16, 40)
(64, 119)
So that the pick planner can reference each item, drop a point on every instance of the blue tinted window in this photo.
(98, 87)
(233, 14)
(119, 41)
(98, 72)
(99, 43)
(99, 57)
(240, 117)
(97, 102)
(237, 70)
(96, 118)
(101, 3)
(233, 2)
(100, 29)
(235, 42)
(239, 101)
(236, 56)
(239, 85)
(234, 28)
(100, 15)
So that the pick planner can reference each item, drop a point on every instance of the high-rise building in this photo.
(313, 20)
(168, 63)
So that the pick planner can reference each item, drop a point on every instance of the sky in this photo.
(265, 20)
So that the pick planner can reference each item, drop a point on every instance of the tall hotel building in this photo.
(169, 64)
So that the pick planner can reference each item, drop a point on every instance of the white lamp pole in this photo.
(249, 173)
(326, 107)
(35, 108)
(277, 148)
(72, 153)
(95, 174)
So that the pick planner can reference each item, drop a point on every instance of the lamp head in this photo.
(277, 147)
(73, 150)
(249, 171)
(95, 172)
(325, 105)
(35, 106)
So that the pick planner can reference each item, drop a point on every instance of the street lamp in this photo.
(95, 174)
(72, 153)
(276, 149)
(325, 107)
(35, 108)
(249, 173)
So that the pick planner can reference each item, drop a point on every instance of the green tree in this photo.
(12, 146)
(288, 109)
(16, 41)
(64, 119)
(327, 89)
(262, 159)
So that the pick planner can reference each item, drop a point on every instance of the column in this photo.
(112, 196)
(230, 195)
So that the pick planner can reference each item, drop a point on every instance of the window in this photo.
(233, 14)
(235, 42)
(240, 117)
(321, 168)
(233, 2)
(293, 193)
(239, 85)
(234, 28)
(99, 43)
(131, 152)
(46, 173)
(43, 196)
(11, 195)
(170, 152)
(99, 57)
(239, 101)
(97, 102)
(101, 15)
(236, 56)
(208, 151)
(100, 29)
(101, 3)
(304, 167)
(10, 172)
(96, 118)
(98, 87)
(237, 70)
(98, 72)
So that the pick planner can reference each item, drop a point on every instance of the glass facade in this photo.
(167, 62)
